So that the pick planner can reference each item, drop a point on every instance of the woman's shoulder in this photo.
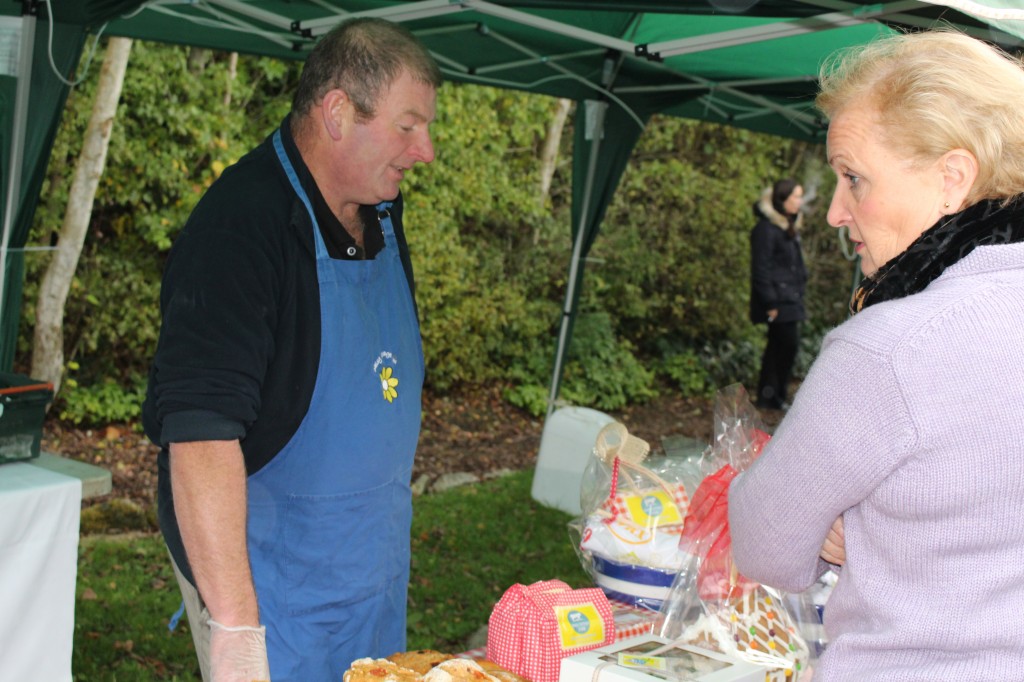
(955, 309)
(989, 263)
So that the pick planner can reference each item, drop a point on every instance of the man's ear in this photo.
(334, 112)
(960, 170)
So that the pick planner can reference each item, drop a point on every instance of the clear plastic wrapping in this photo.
(633, 508)
(710, 603)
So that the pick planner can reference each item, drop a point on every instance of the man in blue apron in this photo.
(285, 391)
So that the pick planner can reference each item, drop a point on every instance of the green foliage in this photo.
(676, 250)
(102, 402)
(531, 397)
(601, 371)
(471, 219)
(485, 173)
(734, 361)
(604, 371)
(666, 281)
(111, 318)
(181, 119)
(687, 372)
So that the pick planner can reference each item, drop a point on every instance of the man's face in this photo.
(374, 154)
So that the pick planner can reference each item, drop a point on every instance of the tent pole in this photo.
(26, 46)
(577, 249)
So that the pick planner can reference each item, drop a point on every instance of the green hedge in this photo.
(664, 301)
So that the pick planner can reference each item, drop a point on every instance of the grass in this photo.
(126, 594)
(469, 545)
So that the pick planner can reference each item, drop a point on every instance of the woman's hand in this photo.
(772, 314)
(833, 550)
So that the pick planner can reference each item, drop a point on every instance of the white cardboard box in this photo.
(683, 663)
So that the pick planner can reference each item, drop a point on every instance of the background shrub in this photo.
(664, 299)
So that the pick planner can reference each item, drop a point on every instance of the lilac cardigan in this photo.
(910, 425)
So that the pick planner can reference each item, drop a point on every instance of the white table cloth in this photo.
(39, 519)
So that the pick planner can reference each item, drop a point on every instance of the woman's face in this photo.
(794, 201)
(884, 199)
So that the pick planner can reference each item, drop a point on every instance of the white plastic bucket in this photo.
(565, 448)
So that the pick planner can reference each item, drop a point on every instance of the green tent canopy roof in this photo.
(742, 62)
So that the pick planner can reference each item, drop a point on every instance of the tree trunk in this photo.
(48, 338)
(232, 75)
(549, 155)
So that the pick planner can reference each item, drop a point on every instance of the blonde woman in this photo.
(901, 458)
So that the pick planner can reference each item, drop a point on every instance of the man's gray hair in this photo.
(363, 57)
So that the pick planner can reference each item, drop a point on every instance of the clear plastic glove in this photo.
(238, 654)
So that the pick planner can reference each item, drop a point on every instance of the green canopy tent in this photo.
(747, 63)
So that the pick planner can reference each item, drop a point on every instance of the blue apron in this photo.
(329, 516)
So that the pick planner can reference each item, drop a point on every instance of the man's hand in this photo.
(238, 654)
(833, 550)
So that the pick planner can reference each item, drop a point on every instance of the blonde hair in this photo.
(935, 91)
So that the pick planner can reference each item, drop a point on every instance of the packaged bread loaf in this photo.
(427, 665)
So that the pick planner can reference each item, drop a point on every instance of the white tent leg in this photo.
(18, 129)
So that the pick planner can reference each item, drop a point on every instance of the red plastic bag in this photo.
(706, 526)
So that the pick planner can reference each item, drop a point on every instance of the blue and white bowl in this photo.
(638, 586)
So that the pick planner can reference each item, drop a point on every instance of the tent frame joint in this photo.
(643, 51)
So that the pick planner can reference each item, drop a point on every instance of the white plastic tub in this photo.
(565, 448)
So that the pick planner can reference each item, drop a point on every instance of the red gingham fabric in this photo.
(523, 634)
(630, 621)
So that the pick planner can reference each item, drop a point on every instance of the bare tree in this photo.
(549, 155)
(232, 75)
(48, 337)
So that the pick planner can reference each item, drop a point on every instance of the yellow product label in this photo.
(655, 508)
(579, 625)
(644, 662)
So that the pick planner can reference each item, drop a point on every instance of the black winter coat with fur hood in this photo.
(778, 276)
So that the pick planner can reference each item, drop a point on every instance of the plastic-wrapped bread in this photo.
(422, 660)
(427, 665)
(379, 670)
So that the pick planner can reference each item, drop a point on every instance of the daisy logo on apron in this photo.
(384, 368)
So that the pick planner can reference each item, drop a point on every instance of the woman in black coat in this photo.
(778, 279)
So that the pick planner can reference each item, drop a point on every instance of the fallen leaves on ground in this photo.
(474, 431)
